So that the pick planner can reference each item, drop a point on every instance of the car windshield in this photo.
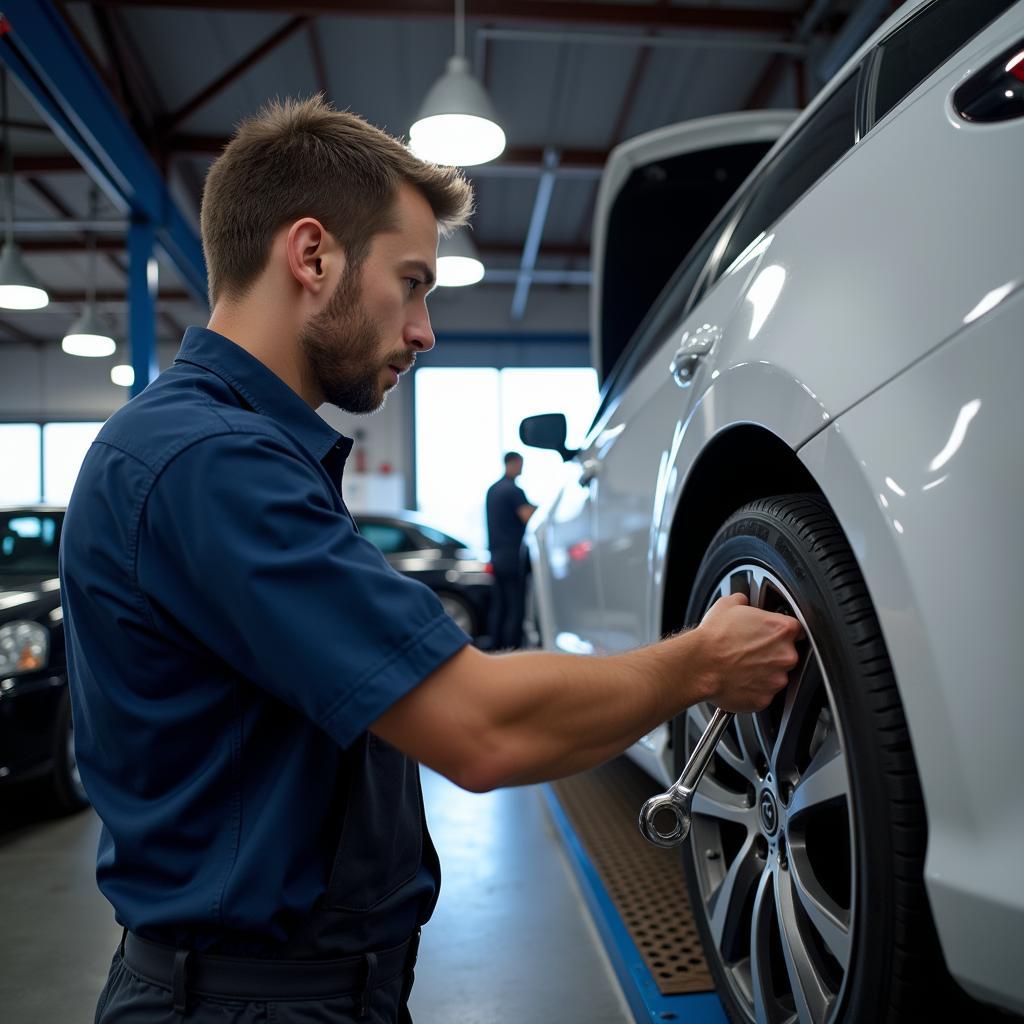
(28, 542)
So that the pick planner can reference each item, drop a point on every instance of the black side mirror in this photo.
(547, 430)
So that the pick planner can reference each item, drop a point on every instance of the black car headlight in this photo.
(24, 647)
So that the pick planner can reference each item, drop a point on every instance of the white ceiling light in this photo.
(458, 262)
(457, 124)
(18, 287)
(123, 375)
(86, 337)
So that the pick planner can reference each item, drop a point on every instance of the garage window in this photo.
(466, 419)
(64, 448)
(21, 482)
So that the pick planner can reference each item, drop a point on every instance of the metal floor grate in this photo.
(645, 883)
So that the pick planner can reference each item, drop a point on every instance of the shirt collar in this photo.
(262, 389)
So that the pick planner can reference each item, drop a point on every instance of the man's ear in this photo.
(315, 259)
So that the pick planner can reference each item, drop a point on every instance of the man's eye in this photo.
(412, 282)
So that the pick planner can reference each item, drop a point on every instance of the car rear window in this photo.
(29, 543)
(927, 40)
(807, 157)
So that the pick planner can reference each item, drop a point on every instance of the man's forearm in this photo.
(551, 715)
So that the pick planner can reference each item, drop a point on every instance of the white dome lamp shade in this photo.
(86, 337)
(457, 124)
(18, 287)
(123, 375)
(458, 262)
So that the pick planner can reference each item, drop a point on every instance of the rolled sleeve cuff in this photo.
(392, 678)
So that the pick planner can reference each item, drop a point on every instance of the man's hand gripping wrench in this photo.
(676, 799)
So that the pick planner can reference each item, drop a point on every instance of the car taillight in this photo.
(489, 569)
(996, 92)
(580, 552)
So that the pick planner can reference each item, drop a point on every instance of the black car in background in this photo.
(460, 578)
(36, 734)
(36, 731)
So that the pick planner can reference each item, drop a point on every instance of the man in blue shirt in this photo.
(252, 684)
(508, 512)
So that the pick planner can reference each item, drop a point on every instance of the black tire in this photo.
(893, 965)
(65, 783)
(459, 609)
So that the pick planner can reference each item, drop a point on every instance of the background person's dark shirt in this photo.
(229, 634)
(504, 527)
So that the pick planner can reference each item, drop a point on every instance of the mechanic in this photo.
(252, 684)
(508, 512)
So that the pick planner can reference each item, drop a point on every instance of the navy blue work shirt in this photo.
(505, 529)
(229, 634)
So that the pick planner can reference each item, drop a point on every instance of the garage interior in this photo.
(553, 907)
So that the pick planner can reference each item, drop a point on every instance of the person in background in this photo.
(508, 512)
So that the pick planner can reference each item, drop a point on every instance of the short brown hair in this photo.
(303, 158)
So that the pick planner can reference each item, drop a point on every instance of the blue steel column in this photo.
(141, 304)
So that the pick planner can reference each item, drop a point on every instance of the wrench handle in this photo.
(676, 799)
(701, 756)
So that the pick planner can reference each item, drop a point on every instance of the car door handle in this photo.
(684, 366)
(591, 469)
(691, 352)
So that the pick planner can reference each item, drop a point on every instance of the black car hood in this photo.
(24, 596)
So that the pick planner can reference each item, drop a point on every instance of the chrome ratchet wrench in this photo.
(676, 799)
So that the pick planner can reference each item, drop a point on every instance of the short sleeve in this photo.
(243, 547)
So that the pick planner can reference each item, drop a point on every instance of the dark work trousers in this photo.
(508, 603)
(131, 997)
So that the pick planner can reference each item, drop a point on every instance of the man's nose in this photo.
(418, 331)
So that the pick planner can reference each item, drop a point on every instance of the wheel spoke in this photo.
(713, 800)
(829, 920)
(727, 905)
(824, 782)
(810, 993)
(751, 745)
(800, 695)
(761, 925)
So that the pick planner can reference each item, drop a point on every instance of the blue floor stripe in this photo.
(649, 1006)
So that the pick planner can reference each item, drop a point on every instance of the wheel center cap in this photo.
(769, 813)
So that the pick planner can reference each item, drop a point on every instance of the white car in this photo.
(821, 408)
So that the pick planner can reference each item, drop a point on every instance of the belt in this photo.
(253, 980)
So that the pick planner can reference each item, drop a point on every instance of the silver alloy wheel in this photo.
(773, 838)
(459, 611)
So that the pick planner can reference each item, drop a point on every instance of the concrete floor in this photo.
(510, 940)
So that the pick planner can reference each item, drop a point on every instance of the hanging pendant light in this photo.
(86, 336)
(123, 375)
(18, 287)
(457, 124)
(458, 261)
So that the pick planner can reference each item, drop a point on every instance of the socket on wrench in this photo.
(676, 800)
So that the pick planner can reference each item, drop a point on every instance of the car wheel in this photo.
(805, 859)
(459, 610)
(66, 781)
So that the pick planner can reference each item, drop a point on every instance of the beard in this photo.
(342, 349)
